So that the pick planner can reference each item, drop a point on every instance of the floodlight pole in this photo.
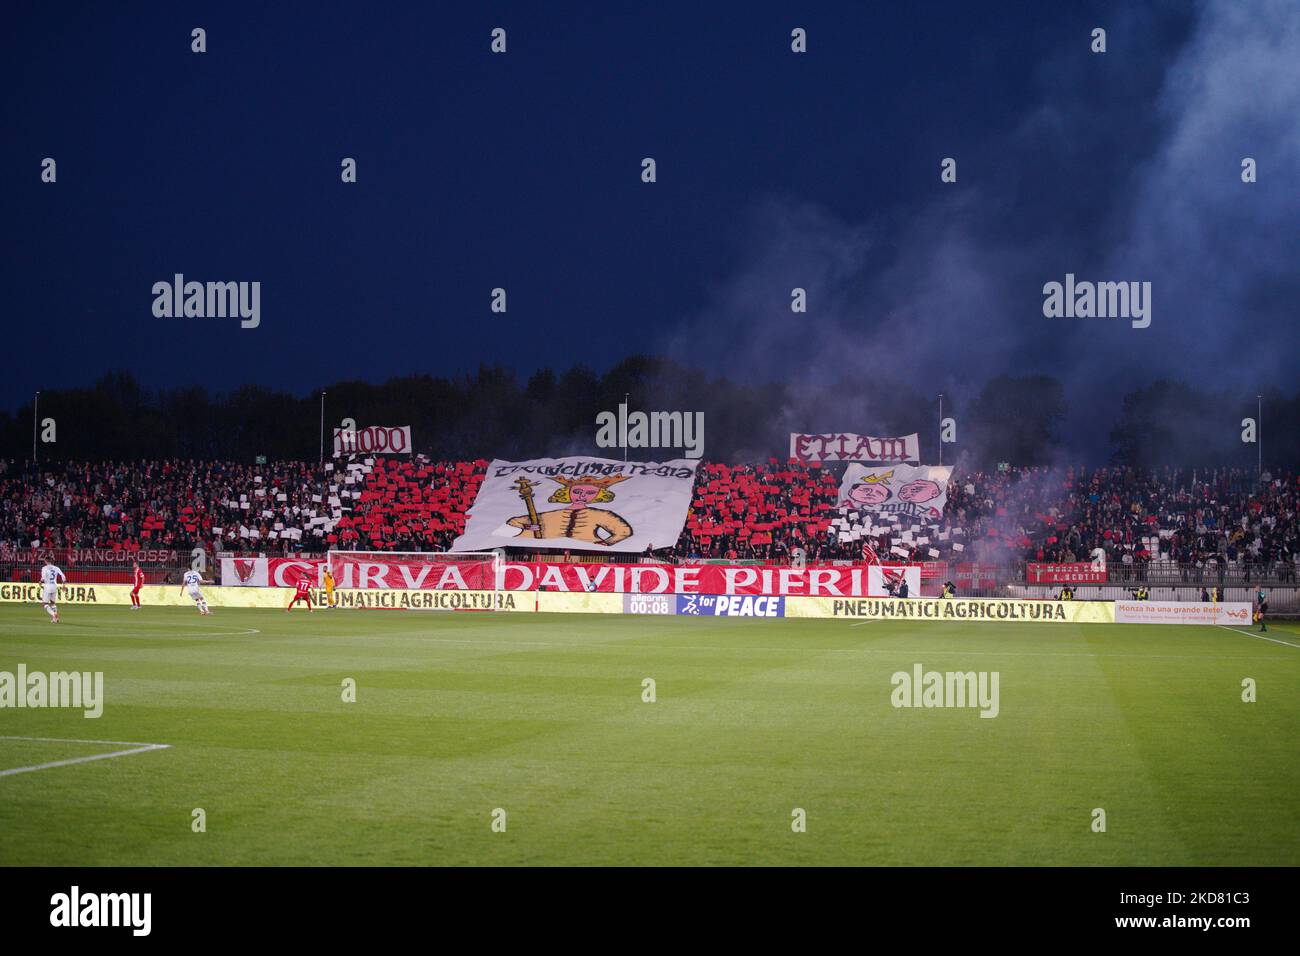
(941, 428)
(322, 426)
(35, 417)
(1259, 431)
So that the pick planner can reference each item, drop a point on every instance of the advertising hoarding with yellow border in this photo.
(157, 595)
(415, 600)
(878, 609)
(995, 610)
(428, 600)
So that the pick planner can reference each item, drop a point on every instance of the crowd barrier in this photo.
(218, 596)
(686, 605)
(1281, 600)
(1009, 610)
(168, 595)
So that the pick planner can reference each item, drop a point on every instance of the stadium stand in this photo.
(1183, 525)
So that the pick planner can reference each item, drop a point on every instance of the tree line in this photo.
(1021, 420)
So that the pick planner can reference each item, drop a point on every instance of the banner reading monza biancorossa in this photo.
(579, 503)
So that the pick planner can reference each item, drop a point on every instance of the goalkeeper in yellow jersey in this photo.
(329, 589)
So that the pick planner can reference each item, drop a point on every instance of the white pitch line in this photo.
(164, 626)
(1260, 636)
(245, 632)
(136, 748)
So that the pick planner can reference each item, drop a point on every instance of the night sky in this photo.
(775, 170)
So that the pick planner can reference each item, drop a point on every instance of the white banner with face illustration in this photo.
(580, 503)
(913, 494)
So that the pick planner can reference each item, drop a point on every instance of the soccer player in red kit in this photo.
(303, 594)
(135, 590)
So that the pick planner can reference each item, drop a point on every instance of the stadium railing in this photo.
(109, 568)
(87, 566)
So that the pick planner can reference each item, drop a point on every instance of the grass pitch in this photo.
(542, 716)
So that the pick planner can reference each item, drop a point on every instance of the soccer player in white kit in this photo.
(191, 583)
(51, 575)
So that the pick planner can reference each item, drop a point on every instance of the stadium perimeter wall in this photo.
(1003, 611)
(1281, 599)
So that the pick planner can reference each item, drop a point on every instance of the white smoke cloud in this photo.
(948, 295)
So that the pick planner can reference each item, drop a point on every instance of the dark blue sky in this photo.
(775, 170)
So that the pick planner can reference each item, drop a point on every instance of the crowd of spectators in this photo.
(143, 505)
(773, 511)
(1201, 521)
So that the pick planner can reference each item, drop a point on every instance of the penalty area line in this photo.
(1259, 636)
(134, 748)
(148, 629)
